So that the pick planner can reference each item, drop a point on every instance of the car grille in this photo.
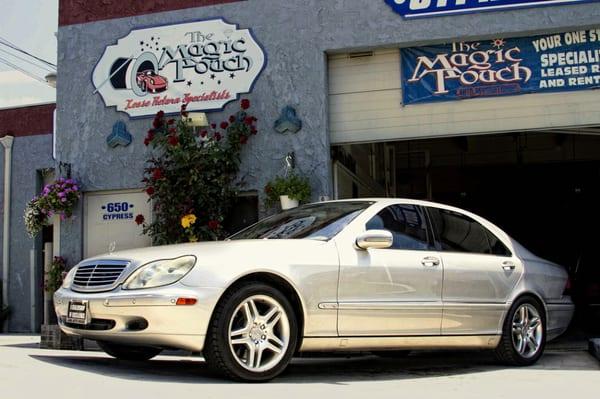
(100, 276)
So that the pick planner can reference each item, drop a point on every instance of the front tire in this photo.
(129, 352)
(523, 334)
(253, 333)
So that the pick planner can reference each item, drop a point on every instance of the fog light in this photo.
(186, 301)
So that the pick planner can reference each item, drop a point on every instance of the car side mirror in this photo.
(379, 239)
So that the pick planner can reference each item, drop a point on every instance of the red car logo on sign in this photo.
(150, 81)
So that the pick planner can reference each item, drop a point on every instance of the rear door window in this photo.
(460, 233)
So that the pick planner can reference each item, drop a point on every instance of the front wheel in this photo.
(253, 334)
(128, 352)
(523, 335)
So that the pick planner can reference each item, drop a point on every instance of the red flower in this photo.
(224, 125)
(183, 106)
(253, 131)
(243, 139)
(213, 224)
(172, 130)
(160, 114)
(139, 219)
(218, 136)
(149, 137)
(150, 190)
(203, 133)
(248, 120)
(157, 123)
(173, 139)
(157, 174)
(231, 119)
(245, 103)
(213, 125)
(170, 121)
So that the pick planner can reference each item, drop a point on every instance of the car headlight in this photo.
(160, 272)
(68, 280)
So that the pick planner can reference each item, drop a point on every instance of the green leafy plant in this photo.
(190, 175)
(55, 276)
(293, 185)
(57, 198)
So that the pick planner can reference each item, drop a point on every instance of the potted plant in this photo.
(289, 190)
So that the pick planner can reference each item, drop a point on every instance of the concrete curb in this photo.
(594, 347)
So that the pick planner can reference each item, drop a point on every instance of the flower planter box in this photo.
(54, 338)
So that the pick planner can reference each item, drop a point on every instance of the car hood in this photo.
(214, 251)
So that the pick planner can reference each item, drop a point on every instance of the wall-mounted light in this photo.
(51, 79)
(197, 119)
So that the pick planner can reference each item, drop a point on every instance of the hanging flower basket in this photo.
(289, 191)
(57, 198)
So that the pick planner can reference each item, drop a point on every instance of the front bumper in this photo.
(142, 317)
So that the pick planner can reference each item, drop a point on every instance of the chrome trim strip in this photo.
(310, 344)
(328, 305)
(389, 305)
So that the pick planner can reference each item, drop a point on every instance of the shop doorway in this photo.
(542, 188)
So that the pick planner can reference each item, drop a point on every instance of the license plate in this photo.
(77, 312)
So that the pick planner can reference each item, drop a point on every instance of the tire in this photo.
(392, 354)
(128, 352)
(525, 345)
(253, 333)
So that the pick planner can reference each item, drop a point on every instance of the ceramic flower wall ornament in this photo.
(288, 122)
(119, 135)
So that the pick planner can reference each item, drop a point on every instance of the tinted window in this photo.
(316, 221)
(407, 224)
(459, 233)
(498, 248)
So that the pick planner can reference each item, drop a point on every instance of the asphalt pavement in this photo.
(29, 372)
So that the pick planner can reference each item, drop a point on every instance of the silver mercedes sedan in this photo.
(380, 275)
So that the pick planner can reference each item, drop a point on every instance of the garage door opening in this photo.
(542, 188)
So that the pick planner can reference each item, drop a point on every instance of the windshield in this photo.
(315, 221)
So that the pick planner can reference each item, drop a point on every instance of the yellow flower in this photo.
(188, 220)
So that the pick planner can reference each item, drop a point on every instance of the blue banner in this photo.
(437, 8)
(548, 63)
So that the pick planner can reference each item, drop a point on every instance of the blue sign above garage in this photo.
(438, 8)
(549, 63)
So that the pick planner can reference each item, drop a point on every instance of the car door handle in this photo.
(508, 266)
(430, 261)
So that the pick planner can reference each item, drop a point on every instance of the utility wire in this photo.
(17, 48)
(44, 67)
(18, 68)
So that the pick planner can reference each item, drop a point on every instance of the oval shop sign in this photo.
(205, 64)
(437, 8)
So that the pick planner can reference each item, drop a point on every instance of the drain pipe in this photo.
(7, 142)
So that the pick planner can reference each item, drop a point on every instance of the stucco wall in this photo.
(30, 154)
(296, 36)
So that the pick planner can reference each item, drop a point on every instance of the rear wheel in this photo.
(128, 352)
(524, 334)
(253, 333)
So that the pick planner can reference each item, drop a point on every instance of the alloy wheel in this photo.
(259, 333)
(527, 331)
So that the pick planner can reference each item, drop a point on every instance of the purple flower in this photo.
(75, 188)
(63, 199)
(61, 194)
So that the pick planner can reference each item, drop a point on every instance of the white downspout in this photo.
(7, 142)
